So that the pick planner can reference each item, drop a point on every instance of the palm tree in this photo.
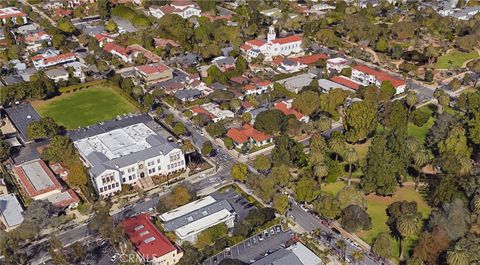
(321, 171)
(337, 145)
(411, 99)
(412, 144)
(458, 257)
(351, 157)
(476, 204)
(406, 226)
(343, 247)
(357, 256)
(420, 159)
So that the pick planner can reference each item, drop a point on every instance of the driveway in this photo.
(253, 247)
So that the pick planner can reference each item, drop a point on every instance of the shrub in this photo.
(419, 117)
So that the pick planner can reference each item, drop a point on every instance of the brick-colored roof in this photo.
(310, 59)
(287, 40)
(255, 43)
(245, 47)
(264, 83)
(249, 87)
(15, 13)
(163, 42)
(344, 81)
(200, 110)
(73, 199)
(288, 111)
(146, 238)
(101, 37)
(59, 57)
(149, 69)
(241, 135)
(382, 76)
(112, 46)
(28, 185)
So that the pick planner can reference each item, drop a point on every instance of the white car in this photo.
(304, 208)
(114, 257)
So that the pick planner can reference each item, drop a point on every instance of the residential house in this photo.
(310, 59)
(370, 76)
(287, 109)
(46, 60)
(126, 152)
(273, 46)
(134, 50)
(183, 8)
(152, 246)
(212, 111)
(154, 73)
(78, 69)
(258, 89)
(39, 183)
(296, 83)
(35, 39)
(103, 38)
(57, 74)
(159, 42)
(10, 211)
(13, 14)
(325, 85)
(117, 50)
(224, 63)
(248, 136)
(290, 66)
(20, 117)
(189, 220)
(296, 254)
(185, 95)
(337, 64)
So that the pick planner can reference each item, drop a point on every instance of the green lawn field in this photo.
(85, 107)
(455, 59)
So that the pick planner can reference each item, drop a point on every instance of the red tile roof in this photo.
(257, 43)
(245, 47)
(278, 60)
(73, 199)
(60, 12)
(101, 37)
(241, 135)
(16, 13)
(346, 82)
(288, 111)
(287, 39)
(60, 57)
(149, 69)
(163, 42)
(168, 9)
(264, 83)
(146, 238)
(381, 76)
(27, 182)
(112, 46)
(200, 110)
(249, 87)
(310, 59)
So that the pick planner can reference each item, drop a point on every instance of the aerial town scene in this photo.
(262, 132)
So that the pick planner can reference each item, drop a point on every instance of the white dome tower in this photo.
(271, 34)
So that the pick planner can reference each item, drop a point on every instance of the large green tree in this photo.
(360, 121)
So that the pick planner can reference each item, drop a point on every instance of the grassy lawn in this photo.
(362, 149)
(85, 107)
(420, 132)
(455, 59)
(333, 188)
(376, 209)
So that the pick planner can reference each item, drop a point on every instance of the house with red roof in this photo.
(12, 14)
(103, 38)
(42, 61)
(159, 42)
(117, 50)
(287, 109)
(247, 135)
(153, 73)
(369, 76)
(35, 39)
(134, 50)
(311, 59)
(40, 183)
(337, 64)
(212, 111)
(151, 245)
(257, 89)
(273, 47)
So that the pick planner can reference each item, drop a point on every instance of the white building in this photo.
(257, 89)
(127, 154)
(337, 64)
(273, 46)
(12, 13)
(47, 60)
(185, 9)
(191, 219)
(57, 74)
(369, 76)
(212, 111)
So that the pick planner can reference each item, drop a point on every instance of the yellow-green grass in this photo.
(85, 107)
(333, 188)
(455, 59)
(420, 132)
(362, 149)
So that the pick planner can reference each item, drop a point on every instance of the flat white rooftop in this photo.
(204, 223)
(187, 208)
(117, 143)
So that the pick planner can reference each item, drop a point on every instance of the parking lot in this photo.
(237, 201)
(99, 252)
(254, 247)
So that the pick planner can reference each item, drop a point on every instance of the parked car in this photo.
(114, 257)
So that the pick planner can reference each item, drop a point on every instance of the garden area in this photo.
(85, 107)
(423, 120)
(455, 59)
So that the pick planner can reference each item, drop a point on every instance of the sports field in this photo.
(85, 107)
